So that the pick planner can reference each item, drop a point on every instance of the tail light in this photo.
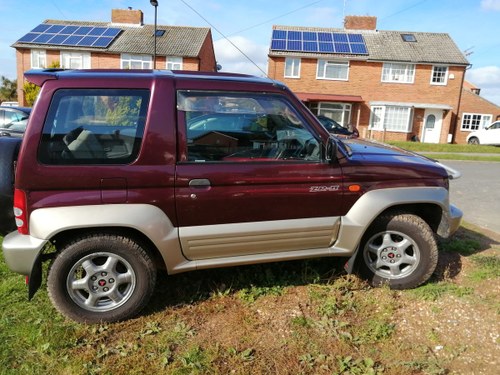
(20, 211)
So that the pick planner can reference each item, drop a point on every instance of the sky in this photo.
(472, 24)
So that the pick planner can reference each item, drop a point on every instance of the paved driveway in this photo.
(477, 192)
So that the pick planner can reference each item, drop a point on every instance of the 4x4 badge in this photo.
(319, 189)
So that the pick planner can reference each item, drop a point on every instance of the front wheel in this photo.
(101, 278)
(473, 141)
(399, 250)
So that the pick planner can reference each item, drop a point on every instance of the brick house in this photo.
(124, 43)
(475, 112)
(391, 85)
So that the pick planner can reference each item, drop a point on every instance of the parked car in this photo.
(13, 121)
(335, 128)
(9, 104)
(487, 136)
(123, 173)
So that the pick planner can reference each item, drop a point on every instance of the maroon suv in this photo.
(125, 172)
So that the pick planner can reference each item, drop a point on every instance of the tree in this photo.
(8, 90)
(30, 93)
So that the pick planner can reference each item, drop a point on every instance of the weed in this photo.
(488, 267)
(364, 366)
(434, 291)
(462, 246)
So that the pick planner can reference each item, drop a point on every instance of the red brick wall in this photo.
(207, 55)
(472, 103)
(365, 81)
(127, 16)
(360, 22)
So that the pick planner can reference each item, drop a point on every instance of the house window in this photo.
(400, 73)
(174, 63)
(38, 59)
(340, 112)
(333, 70)
(439, 75)
(391, 118)
(292, 67)
(75, 60)
(136, 61)
(475, 121)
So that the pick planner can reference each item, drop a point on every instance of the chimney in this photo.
(123, 16)
(360, 23)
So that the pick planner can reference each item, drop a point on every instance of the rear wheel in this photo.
(101, 278)
(473, 141)
(399, 250)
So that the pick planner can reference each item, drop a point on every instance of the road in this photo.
(477, 192)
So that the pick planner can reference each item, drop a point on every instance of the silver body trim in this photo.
(228, 244)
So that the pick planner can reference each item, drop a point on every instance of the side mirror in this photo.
(331, 150)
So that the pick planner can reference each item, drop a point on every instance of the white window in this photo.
(75, 60)
(136, 61)
(475, 121)
(439, 75)
(174, 63)
(292, 67)
(391, 118)
(401, 73)
(38, 59)
(340, 112)
(333, 70)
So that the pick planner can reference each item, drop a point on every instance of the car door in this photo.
(251, 177)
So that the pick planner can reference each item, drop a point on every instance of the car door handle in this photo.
(199, 183)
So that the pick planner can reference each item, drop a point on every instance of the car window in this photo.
(94, 126)
(237, 127)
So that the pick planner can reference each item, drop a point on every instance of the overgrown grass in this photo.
(294, 317)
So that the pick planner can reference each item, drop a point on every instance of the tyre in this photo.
(101, 278)
(473, 141)
(9, 148)
(399, 250)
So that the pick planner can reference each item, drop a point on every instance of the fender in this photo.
(373, 203)
(45, 223)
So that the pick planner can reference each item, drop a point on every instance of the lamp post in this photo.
(155, 4)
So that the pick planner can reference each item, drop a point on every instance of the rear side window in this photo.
(94, 126)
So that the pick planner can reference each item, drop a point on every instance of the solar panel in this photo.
(310, 46)
(326, 47)
(310, 36)
(322, 42)
(103, 42)
(340, 38)
(73, 35)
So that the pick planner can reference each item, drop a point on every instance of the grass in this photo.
(287, 318)
(446, 148)
(453, 151)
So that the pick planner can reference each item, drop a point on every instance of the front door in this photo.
(431, 132)
(251, 177)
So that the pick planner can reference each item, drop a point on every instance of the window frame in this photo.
(292, 66)
(389, 72)
(83, 58)
(333, 64)
(146, 61)
(383, 119)
(38, 59)
(174, 63)
(474, 124)
(259, 140)
(436, 74)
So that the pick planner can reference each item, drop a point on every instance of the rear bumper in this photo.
(21, 251)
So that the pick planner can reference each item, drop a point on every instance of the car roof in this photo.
(22, 109)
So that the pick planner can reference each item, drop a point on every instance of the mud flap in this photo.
(35, 277)
(351, 262)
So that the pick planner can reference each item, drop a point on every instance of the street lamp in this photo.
(155, 4)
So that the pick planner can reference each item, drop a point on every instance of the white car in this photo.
(487, 136)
